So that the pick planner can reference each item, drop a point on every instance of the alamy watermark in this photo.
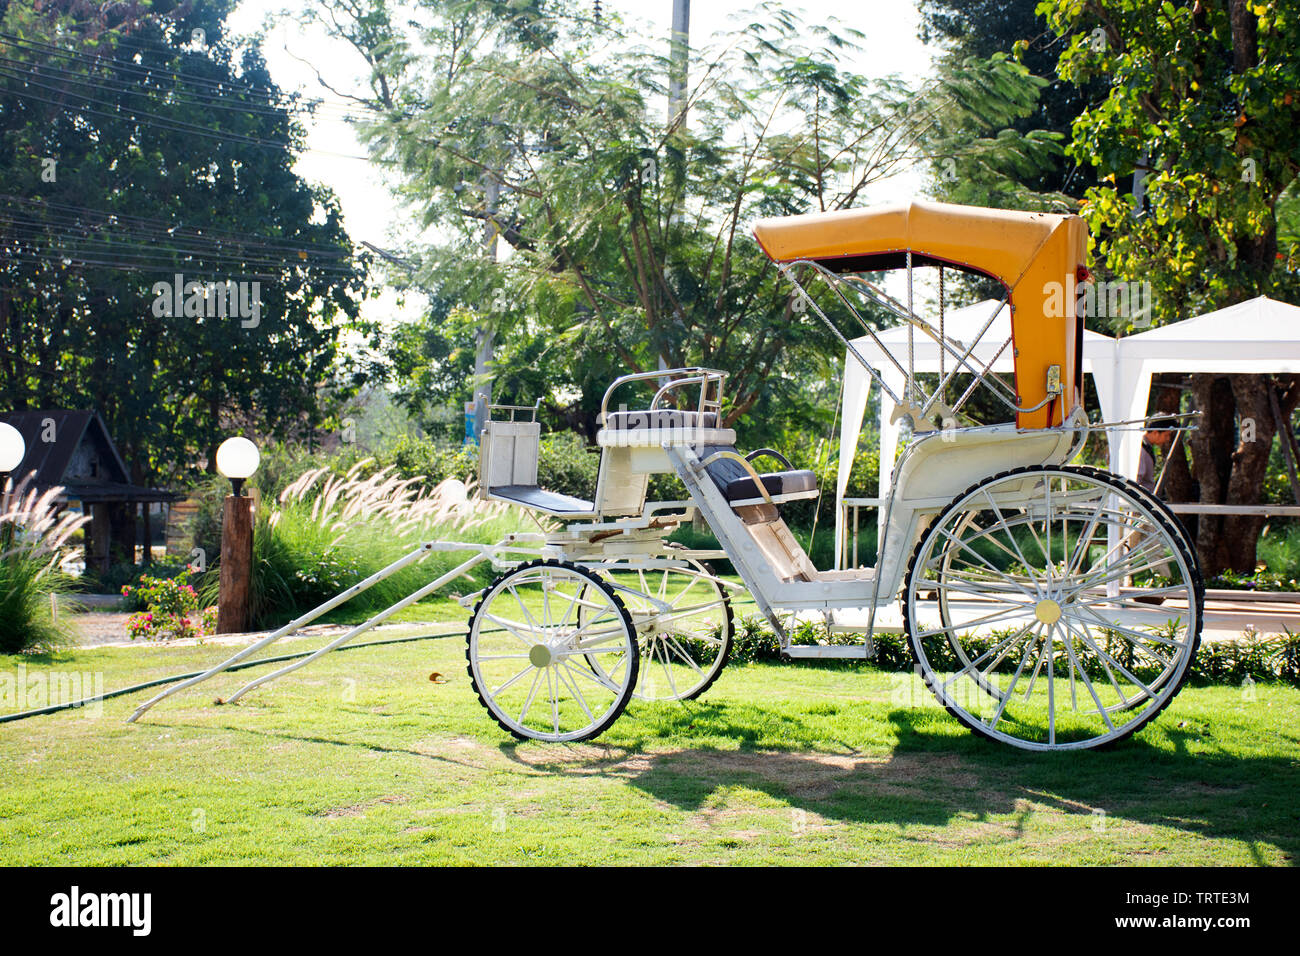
(212, 300)
(1104, 299)
(23, 691)
(133, 911)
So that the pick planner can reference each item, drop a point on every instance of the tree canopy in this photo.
(628, 235)
(1206, 94)
(138, 143)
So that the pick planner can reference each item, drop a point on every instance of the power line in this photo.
(130, 65)
(145, 118)
(139, 89)
(164, 259)
(66, 209)
(216, 97)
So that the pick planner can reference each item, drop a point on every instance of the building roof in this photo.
(53, 438)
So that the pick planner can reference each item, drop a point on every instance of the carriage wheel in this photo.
(685, 645)
(1053, 608)
(530, 638)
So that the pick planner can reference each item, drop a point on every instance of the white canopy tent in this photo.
(963, 325)
(1259, 336)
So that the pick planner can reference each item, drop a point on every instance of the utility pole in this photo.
(678, 60)
(486, 334)
(678, 63)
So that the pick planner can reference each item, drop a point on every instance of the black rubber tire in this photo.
(633, 662)
(1161, 513)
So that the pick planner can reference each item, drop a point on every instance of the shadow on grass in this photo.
(935, 775)
(920, 768)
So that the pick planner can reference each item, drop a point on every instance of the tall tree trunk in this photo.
(1177, 483)
(1230, 451)
(1212, 444)
(1249, 466)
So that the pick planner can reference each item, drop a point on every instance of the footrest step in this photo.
(851, 651)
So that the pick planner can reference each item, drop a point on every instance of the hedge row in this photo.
(1253, 657)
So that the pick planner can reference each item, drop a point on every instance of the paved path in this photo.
(108, 629)
(1227, 619)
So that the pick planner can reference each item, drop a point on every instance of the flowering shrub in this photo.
(171, 608)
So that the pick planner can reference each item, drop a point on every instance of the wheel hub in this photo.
(540, 655)
(1047, 611)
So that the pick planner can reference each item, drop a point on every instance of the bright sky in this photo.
(891, 46)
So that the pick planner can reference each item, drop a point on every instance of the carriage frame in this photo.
(599, 606)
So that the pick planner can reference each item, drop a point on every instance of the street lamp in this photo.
(237, 459)
(12, 451)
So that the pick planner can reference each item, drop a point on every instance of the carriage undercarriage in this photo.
(1049, 606)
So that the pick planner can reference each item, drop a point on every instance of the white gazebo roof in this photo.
(1259, 335)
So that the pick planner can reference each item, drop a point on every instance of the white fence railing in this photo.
(851, 509)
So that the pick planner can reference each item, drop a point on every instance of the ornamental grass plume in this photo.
(35, 532)
(325, 532)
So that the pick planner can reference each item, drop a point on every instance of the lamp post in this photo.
(237, 459)
(12, 451)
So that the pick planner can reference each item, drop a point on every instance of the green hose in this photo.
(55, 708)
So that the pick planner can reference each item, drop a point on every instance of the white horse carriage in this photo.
(1047, 605)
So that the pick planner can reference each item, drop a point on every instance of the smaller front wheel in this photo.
(530, 638)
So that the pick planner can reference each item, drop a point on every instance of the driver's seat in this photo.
(737, 482)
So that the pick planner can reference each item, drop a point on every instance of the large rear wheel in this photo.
(1053, 608)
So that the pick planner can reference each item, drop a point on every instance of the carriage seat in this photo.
(551, 502)
(737, 485)
(659, 418)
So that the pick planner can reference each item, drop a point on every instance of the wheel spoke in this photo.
(507, 684)
(1087, 682)
(532, 693)
(1006, 695)
(1001, 574)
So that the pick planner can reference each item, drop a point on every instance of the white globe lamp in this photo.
(237, 459)
(12, 450)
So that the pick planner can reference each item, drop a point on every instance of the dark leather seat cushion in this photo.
(776, 483)
(736, 485)
(660, 418)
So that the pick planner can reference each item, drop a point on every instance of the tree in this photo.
(984, 28)
(614, 267)
(1207, 92)
(139, 142)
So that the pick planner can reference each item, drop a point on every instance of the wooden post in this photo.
(100, 537)
(236, 565)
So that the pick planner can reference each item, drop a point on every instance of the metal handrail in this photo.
(515, 408)
(672, 373)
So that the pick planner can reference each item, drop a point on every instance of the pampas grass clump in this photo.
(33, 542)
(326, 532)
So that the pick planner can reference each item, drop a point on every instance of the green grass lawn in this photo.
(359, 758)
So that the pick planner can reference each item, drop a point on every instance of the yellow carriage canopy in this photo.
(1039, 257)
